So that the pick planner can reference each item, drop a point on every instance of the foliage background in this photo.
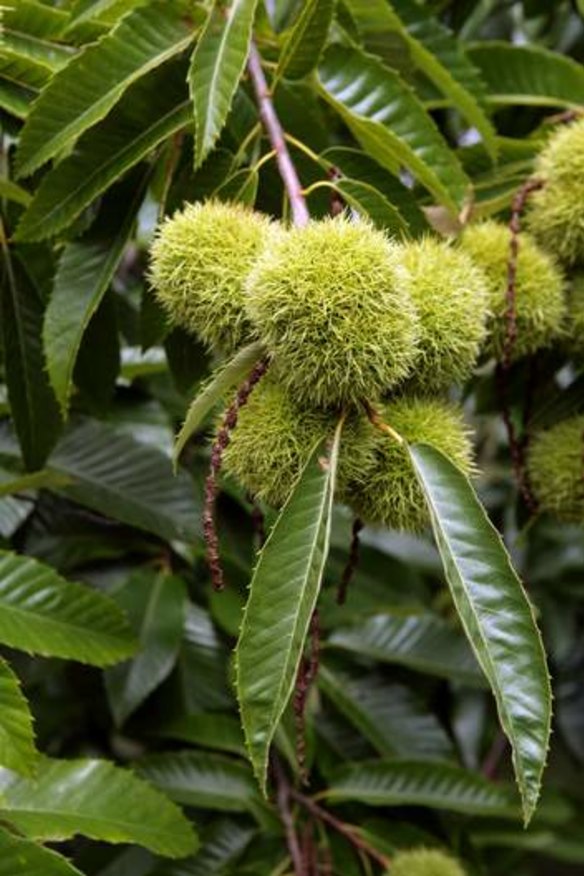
(95, 385)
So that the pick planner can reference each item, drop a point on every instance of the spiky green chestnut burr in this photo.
(388, 491)
(425, 862)
(326, 303)
(274, 436)
(575, 317)
(539, 288)
(451, 297)
(200, 260)
(555, 213)
(556, 469)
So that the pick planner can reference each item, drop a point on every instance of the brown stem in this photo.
(377, 420)
(271, 122)
(284, 793)
(348, 831)
(352, 561)
(221, 441)
(493, 758)
(307, 672)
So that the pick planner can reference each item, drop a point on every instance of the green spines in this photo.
(555, 213)
(556, 469)
(425, 862)
(325, 301)
(539, 288)
(274, 437)
(200, 260)
(451, 298)
(575, 317)
(388, 491)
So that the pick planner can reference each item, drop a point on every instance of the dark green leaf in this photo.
(71, 103)
(305, 42)
(155, 605)
(390, 123)
(496, 614)
(221, 847)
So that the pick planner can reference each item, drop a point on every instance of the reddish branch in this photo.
(350, 833)
(271, 122)
(352, 562)
(517, 445)
(283, 799)
(221, 441)
(307, 672)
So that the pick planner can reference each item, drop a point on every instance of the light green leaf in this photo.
(42, 613)
(435, 52)
(11, 191)
(420, 783)
(152, 110)
(17, 748)
(155, 605)
(421, 642)
(528, 75)
(12, 482)
(222, 845)
(279, 608)
(216, 67)
(388, 715)
(95, 799)
(390, 123)
(496, 614)
(34, 50)
(227, 378)
(85, 270)
(33, 406)
(21, 857)
(34, 17)
(118, 476)
(305, 42)
(92, 83)
(207, 781)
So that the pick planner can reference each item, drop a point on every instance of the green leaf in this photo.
(95, 799)
(226, 379)
(279, 608)
(391, 124)
(528, 75)
(388, 715)
(216, 67)
(16, 98)
(21, 857)
(207, 781)
(37, 52)
(152, 110)
(213, 730)
(85, 270)
(128, 481)
(242, 186)
(35, 18)
(420, 783)
(155, 605)
(358, 165)
(92, 83)
(35, 412)
(42, 613)
(17, 748)
(435, 52)
(367, 201)
(12, 482)
(11, 191)
(305, 42)
(422, 642)
(496, 614)
(222, 846)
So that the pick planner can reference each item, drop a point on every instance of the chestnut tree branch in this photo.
(275, 132)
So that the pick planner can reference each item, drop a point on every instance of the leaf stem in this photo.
(377, 420)
(348, 831)
(274, 130)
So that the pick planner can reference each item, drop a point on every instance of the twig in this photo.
(350, 833)
(275, 133)
(284, 793)
(307, 672)
(376, 420)
(352, 561)
(221, 441)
